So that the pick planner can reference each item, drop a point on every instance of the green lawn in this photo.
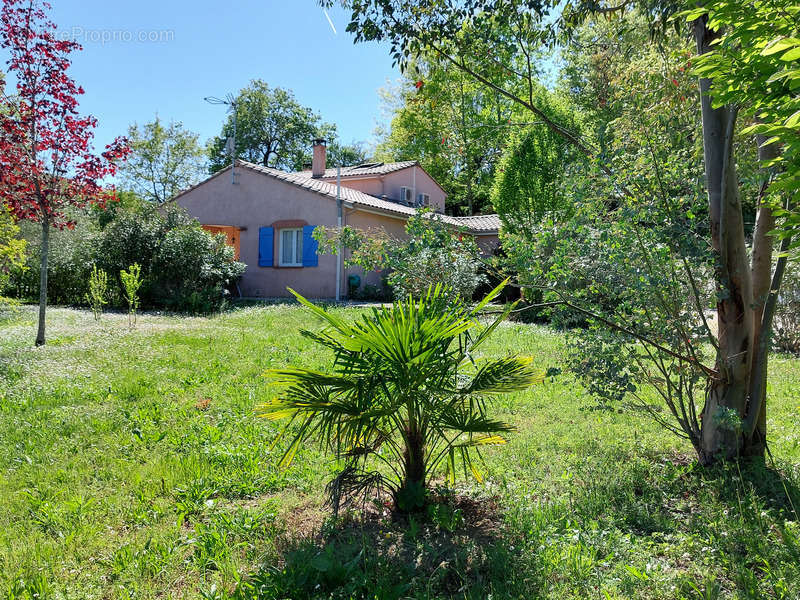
(131, 466)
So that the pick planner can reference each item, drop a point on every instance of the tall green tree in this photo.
(530, 183)
(346, 155)
(164, 160)
(748, 65)
(478, 36)
(273, 129)
(453, 126)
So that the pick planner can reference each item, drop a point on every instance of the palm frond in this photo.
(481, 440)
(489, 297)
(398, 383)
(351, 484)
(503, 375)
(465, 420)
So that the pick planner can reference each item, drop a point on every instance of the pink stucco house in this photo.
(268, 216)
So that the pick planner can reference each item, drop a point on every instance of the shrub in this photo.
(433, 254)
(182, 267)
(97, 296)
(403, 392)
(192, 269)
(69, 265)
(131, 282)
(786, 333)
(12, 248)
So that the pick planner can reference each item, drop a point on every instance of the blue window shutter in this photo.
(310, 258)
(266, 242)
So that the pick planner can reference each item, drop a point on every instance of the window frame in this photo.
(298, 251)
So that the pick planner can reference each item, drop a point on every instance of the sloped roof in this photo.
(373, 168)
(476, 225)
(329, 189)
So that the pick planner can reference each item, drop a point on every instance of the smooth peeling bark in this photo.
(761, 274)
(719, 439)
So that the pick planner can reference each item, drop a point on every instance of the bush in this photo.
(12, 248)
(183, 267)
(433, 254)
(69, 264)
(191, 270)
(786, 331)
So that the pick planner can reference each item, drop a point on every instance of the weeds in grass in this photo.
(107, 469)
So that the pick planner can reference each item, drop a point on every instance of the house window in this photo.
(291, 248)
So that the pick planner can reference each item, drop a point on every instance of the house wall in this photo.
(372, 186)
(259, 201)
(487, 244)
(390, 184)
(411, 177)
(395, 227)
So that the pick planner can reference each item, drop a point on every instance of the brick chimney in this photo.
(318, 161)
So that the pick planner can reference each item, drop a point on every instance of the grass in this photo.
(131, 466)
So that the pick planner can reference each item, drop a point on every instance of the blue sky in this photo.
(214, 48)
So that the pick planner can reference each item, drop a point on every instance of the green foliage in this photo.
(191, 269)
(598, 358)
(530, 184)
(164, 160)
(12, 247)
(452, 125)
(183, 267)
(344, 155)
(131, 282)
(756, 65)
(69, 264)
(404, 390)
(431, 254)
(274, 129)
(97, 296)
(786, 336)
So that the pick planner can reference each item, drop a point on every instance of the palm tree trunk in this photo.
(44, 250)
(410, 496)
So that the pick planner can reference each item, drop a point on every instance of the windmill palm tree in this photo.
(404, 397)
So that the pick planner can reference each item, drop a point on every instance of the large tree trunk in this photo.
(44, 249)
(761, 272)
(727, 401)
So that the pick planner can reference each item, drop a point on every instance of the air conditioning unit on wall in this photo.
(406, 195)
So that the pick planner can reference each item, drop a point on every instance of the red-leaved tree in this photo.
(46, 157)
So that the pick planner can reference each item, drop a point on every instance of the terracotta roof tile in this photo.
(329, 189)
(375, 168)
(476, 224)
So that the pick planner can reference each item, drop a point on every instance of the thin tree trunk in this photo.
(728, 392)
(45, 250)
(761, 270)
(413, 486)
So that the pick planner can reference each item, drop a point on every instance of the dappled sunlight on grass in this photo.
(133, 466)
